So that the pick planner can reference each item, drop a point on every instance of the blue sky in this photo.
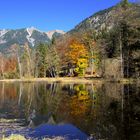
(48, 14)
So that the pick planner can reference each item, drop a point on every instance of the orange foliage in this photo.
(10, 65)
(76, 51)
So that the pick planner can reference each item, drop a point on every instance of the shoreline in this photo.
(70, 80)
(57, 80)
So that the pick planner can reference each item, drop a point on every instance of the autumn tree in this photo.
(16, 50)
(89, 40)
(62, 48)
(78, 57)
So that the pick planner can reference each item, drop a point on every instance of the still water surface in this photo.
(108, 111)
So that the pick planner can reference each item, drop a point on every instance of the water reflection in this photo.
(75, 111)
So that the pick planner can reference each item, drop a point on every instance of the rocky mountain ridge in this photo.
(31, 35)
(106, 18)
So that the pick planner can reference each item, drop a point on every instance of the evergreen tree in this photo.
(124, 3)
(40, 59)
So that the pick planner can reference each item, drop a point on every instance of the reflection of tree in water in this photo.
(41, 102)
(8, 99)
(131, 122)
(103, 113)
(109, 111)
(76, 108)
(115, 122)
(48, 98)
(106, 121)
(37, 102)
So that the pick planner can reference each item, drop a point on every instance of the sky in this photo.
(47, 15)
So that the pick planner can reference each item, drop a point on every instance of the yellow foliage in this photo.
(82, 93)
(82, 63)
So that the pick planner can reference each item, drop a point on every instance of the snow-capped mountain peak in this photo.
(3, 32)
(30, 30)
(30, 35)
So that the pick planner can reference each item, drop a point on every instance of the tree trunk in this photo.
(20, 93)
(19, 66)
(2, 68)
(2, 92)
(121, 56)
(28, 67)
(29, 61)
(91, 62)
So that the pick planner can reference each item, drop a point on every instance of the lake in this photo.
(109, 111)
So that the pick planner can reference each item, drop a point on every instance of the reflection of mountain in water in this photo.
(107, 111)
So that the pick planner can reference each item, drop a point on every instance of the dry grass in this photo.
(58, 80)
(65, 80)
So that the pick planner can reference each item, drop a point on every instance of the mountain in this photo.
(106, 18)
(55, 33)
(32, 36)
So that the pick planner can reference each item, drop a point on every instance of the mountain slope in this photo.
(106, 18)
(32, 36)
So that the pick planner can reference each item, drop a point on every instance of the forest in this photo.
(110, 52)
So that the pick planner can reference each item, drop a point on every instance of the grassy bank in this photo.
(58, 80)
(72, 80)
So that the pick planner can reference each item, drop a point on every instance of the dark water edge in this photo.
(109, 111)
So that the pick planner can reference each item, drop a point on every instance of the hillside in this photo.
(106, 18)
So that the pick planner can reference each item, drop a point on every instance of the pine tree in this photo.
(124, 3)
